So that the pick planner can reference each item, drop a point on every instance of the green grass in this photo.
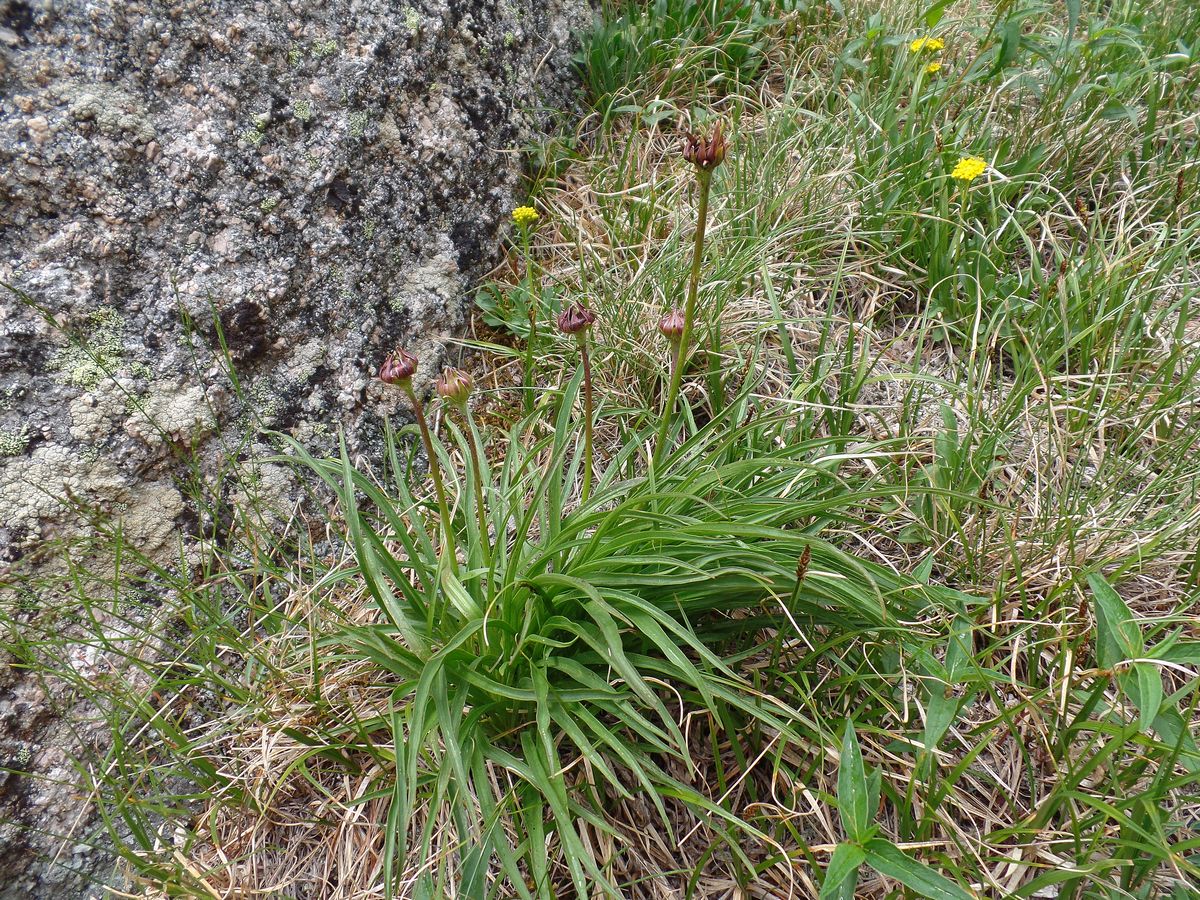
(909, 607)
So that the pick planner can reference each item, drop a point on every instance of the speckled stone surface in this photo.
(313, 182)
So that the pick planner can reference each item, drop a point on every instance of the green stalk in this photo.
(535, 303)
(435, 470)
(704, 179)
(587, 415)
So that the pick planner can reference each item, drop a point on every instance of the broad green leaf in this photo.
(1118, 637)
(1150, 693)
(874, 785)
(1174, 731)
(940, 713)
(841, 875)
(1010, 45)
(943, 706)
(888, 859)
(933, 14)
(924, 569)
(959, 648)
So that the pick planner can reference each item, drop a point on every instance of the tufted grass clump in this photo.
(542, 664)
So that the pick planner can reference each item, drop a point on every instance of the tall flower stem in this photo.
(435, 470)
(535, 304)
(587, 415)
(704, 180)
(576, 319)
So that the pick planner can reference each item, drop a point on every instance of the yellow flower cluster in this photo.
(968, 169)
(927, 45)
(933, 68)
(525, 216)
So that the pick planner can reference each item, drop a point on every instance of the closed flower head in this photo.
(398, 368)
(705, 153)
(575, 318)
(927, 45)
(671, 325)
(968, 169)
(454, 386)
(525, 216)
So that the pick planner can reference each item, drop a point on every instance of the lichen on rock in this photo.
(182, 414)
(219, 212)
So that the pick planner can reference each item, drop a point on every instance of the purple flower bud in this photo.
(671, 325)
(398, 367)
(454, 386)
(575, 318)
(705, 153)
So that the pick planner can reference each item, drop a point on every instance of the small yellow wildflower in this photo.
(968, 169)
(927, 45)
(933, 68)
(525, 216)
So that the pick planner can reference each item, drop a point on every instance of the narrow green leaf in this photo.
(852, 786)
(1073, 7)
(473, 881)
(1186, 653)
(457, 594)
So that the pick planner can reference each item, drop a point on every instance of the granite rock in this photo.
(305, 184)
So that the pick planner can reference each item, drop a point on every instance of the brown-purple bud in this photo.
(671, 325)
(454, 386)
(705, 153)
(575, 318)
(398, 367)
